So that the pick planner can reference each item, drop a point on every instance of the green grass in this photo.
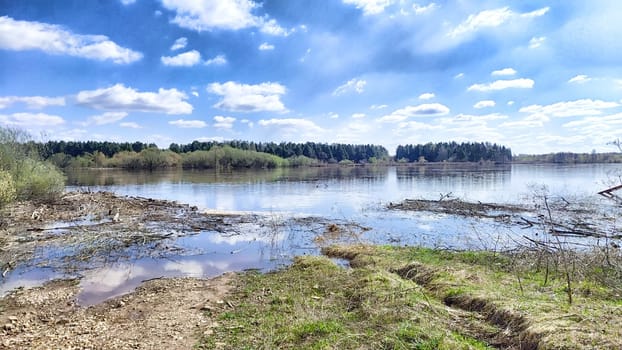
(413, 298)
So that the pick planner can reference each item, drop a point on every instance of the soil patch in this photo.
(459, 207)
(160, 314)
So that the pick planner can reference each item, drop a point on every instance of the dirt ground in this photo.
(160, 314)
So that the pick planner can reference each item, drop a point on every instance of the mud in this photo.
(161, 314)
(99, 227)
(500, 212)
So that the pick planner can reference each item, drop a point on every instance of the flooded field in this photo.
(261, 219)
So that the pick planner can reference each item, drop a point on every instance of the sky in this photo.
(537, 76)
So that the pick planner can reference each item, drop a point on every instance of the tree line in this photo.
(454, 152)
(570, 158)
(323, 152)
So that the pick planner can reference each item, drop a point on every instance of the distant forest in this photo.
(454, 152)
(251, 154)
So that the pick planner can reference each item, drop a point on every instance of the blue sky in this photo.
(538, 76)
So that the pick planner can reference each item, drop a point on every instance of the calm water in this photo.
(352, 197)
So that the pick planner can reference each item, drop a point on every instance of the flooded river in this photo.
(296, 208)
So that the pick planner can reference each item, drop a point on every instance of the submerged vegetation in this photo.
(23, 175)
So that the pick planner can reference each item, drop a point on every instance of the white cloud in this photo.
(333, 116)
(32, 102)
(419, 10)
(292, 129)
(215, 14)
(370, 7)
(459, 76)
(249, 98)
(503, 84)
(186, 59)
(503, 72)
(484, 104)
(427, 96)
(179, 44)
(579, 79)
(106, 118)
(266, 47)
(491, 19)
(536, 42)
(31, 120)
(195, 93)
(130, 125)
(423, 110)
(511, 103)
(584, 107)
(119, 97)
(358, 115)
(53, 39)
(127, 2)
(182, 123)
(374, 107)
(480, 118)
(217, 61)
(357, 85)
(221, 122)
(531, 121)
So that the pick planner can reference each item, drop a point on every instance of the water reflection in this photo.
(296, 206)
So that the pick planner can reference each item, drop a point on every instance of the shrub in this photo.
(8, 193)
(37, 180)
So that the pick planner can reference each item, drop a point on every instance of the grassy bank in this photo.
(414, 298)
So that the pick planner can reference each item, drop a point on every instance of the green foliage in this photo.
(30, 178)
(570, 158)
(454, 152)
(38, 180)
(8, 193)
(227, 157)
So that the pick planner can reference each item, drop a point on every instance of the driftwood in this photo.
(608, 193)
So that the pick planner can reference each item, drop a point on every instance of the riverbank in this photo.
(351, 297)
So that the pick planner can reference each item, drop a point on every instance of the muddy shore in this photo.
(94, 228)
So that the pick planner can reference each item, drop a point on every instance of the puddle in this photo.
(117, 265)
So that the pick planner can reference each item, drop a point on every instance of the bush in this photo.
(8, 193)
(37, 180)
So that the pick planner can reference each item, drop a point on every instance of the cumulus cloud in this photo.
(423, 110)
(378, 106)
(491, 19)
(54, 39)
(186, 59)
(484, 104)
(584, 107)
(479, 118)
(210, 15)
(32, 102)
(358, 115)
(182, 123)
(221, 122)
(427, 96)
(291, 127)
(353, 85)
(419, 9)
(370, 7)
(502, 85)
(127, 2)
(130, 125)
(532, 121)
(119, 97)
(216, 61)
(179, 44)
(504, 72)
(579, 79)
(106, 118)
(266, 47)
(536, 42)
(249, 98)
(31, 120)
